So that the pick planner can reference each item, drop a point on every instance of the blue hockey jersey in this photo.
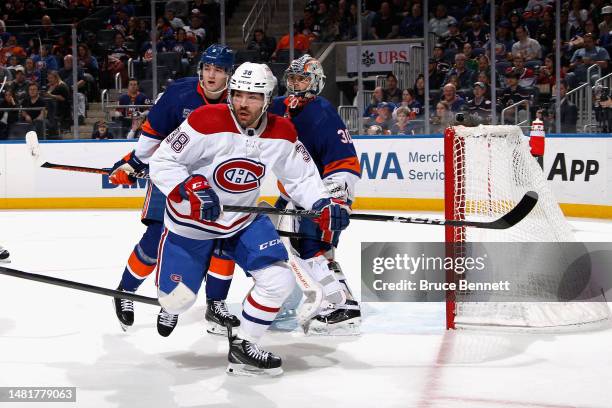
(324, 135)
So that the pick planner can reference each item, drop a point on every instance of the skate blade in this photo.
(5, 261)
(124, 327)
(244, 370)
(347, 328)
(216, 329)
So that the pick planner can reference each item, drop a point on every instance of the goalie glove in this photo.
(129, 164)
(334, 215)
(202, 198)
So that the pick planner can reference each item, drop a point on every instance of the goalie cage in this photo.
(487, 170)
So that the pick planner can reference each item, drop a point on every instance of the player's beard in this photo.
(246, 118)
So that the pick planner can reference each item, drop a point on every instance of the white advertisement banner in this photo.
(376, 58)
(407, 168)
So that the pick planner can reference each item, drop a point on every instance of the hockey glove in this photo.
(120, 173)
(337, 189)
(334, 214)
(202, 198)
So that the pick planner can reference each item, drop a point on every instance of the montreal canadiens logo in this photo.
(239, 175)
(176, 278)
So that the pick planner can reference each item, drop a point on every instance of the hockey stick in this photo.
(82, 169)
(513, 217)
(78, 286)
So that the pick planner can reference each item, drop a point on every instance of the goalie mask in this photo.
(305, 70)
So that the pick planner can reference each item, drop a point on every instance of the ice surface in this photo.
(52, 336)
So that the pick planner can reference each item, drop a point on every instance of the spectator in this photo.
(525, 45)
(449, 95)
(262, 44)
(410, 102)
(300, 42)
(402, 125)
(606, 25)
(348, 23)
(419, 89)
(392, 92)
(478, 35)
(378, 96)
(132, 97)
(412, 25)
(385, 24)
(32, 74)
(546, 31)
(45, 61)
(547, 75)
(569, 111)
(59, 92)
(503, 41)
(484, 66)
(383, 117)
(329, 22)
(453, 39)
(470, 59)
(11, 48)
(440, 22)
(47, 32)
(118, 55)
(527, 77)
(7, 118)
(464, 75)
(442, 118)
(66, 76)
(36, 116)
(437, 74)
(480, 105)
(309, 25)
(185, 48)
(533, 4)
(512, 94)
(577, 16)
(174, 21)
(584, 58)
(19, 87)
(119, 20)
(102, 131)
(196, 30)
(89, 65)
(439, 57)
(136, 32)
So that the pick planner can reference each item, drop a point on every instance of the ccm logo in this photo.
(269, 244)
(239, 175)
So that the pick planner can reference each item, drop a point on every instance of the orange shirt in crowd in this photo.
(300, 42)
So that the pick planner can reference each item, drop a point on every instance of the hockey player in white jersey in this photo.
(219, 156)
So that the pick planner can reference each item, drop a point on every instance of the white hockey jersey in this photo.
(212, 144)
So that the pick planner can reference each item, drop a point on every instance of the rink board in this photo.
(398, 173)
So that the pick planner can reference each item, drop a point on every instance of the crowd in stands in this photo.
(114, 41)
(36, 61)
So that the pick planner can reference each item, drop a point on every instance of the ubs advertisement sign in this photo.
(376, 58)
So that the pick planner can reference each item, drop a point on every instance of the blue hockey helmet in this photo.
(218, 55)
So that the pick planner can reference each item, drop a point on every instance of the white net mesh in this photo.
(493, 169)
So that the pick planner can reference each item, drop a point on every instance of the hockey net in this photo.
(487, 171)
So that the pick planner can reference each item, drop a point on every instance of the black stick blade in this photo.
(522, 209)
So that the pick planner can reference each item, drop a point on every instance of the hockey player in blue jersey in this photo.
(169, 111)
(326, 138)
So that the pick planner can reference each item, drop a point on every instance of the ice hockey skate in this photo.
(343, 320)
(4, 256)
(218, 318)
(166, 322)
(124, 308)
(247, 359)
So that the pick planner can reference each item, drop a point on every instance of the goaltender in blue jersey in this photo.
(170, 110)
(326, 138)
